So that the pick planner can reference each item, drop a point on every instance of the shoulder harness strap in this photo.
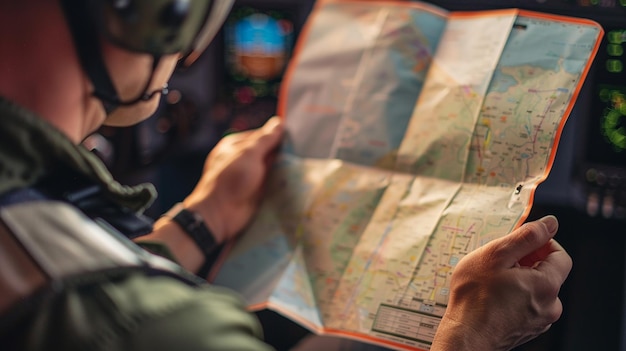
(49, 244)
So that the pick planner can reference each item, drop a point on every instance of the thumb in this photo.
(269, 135)
(527, 239)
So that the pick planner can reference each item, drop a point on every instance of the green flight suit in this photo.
(118, 308)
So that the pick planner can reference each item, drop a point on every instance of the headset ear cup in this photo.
(156, 27)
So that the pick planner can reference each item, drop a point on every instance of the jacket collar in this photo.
(32, 149)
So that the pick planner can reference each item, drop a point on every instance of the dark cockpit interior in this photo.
(586, 188)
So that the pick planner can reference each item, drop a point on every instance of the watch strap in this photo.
(194, 226)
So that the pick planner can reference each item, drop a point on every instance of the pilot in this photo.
(71, 278)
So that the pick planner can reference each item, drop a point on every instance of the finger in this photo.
(269, 135)
(526, 239)
(251, 138)
(273, 125)
(536, 256)
(238, 137)
(557, 264)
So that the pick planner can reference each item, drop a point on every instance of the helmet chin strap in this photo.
(87, 44)
(112, 101)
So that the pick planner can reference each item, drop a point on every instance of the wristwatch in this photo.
(193, 225)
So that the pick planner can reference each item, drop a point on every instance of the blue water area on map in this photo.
(502, 82)
(411, 81)
(431, 26)
(398, 74)
(541, 44)
(407, 64)
(294, 294)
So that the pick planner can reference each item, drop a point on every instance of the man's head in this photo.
(83, 63)
(162, 31)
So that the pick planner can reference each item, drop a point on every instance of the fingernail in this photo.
(551, 223)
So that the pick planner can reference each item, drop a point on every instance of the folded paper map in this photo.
(414, 135)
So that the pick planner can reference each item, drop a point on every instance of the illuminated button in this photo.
(616, 36)
(591, 175)
(593, 204)
(605, 94)
(612, 128)
(607, 206)
(614, 50)
(614, 66)
(174, 97)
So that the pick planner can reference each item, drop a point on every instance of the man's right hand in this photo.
(506, 293)
(228, 192)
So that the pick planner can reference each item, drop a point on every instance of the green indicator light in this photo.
(591, 175)
(614, 120)
(261, 90)
(618, 138)
(616, 36)
(605, 94)
(617, 97)
(614, 66)
(613, 37)
(622, 2)
(615, 49)
(595, 2)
